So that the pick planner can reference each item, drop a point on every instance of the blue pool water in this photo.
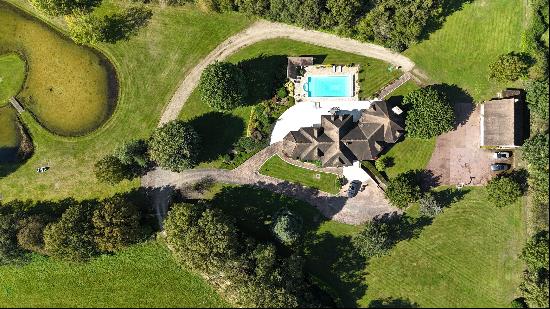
(329, 86)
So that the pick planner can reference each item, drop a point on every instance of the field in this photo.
(69, 94)
(268, 60)
(12, 76)
(149, 68)
(144, 275)
(276, 167)
(409, 154)
(470, 39)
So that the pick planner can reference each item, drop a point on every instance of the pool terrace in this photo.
(345, 87)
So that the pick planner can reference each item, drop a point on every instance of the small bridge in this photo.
(17, 105)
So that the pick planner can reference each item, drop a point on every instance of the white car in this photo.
(502, 155)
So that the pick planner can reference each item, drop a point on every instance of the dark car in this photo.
(499, 167)
(354, 188)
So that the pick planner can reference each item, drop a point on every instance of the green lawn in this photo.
(12, 76)
(409, 154)
(470, 39)
(144, 275)
(68, 96)
(150, 66)
(278, 168)
(270, 56)
(468, 257)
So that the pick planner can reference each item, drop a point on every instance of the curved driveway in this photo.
(264, 30)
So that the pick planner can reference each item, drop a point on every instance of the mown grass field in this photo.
(12, 76)
(223, 129)
(144, 275)
(409, 154)
(470, 39)
(278, 168)
(67, 85)
(149, 66)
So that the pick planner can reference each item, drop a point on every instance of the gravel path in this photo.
(263, 30)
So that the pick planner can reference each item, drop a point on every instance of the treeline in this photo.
(73, 230)
(396, 24)
(247, 271)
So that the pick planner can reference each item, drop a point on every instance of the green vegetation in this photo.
(429, 113)
(119, 280)
(409, 154)
(149, 68)
(537, 98)
(509, 67)
(469, 40)
(503, 191)
(65, 7)
(466, 257)
(535, 282)
(223, 86)
(175, 146)
(12, 76)
(278, 168)
(69, 97)
(404, 189)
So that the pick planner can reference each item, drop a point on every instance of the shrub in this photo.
(509, 67)
(503, 191)
(84, 28)
(72, 237)
(9, 250)
(111, 170)
(65, 7)
(535, 289)
(288, 228)
(537, 98)
(375, 239)
(535, 152)
(281, 93)
(382, 163)
(429, 206)
(175, 146)
(223, 86)
(403, 189)
(535, 252)
(519, 303)
(116, 224)
(30, 235)
(430, 113)
(134, 155)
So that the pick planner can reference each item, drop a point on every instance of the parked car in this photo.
(499, 167)
(502, 155)
(354, 188)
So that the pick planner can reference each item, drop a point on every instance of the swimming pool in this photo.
(329, 86)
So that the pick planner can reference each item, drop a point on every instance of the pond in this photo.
(70, 89)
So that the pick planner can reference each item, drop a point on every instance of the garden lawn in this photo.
(468, 257)
(150, 67)
(470, 39)
(12, 76)
(143, 275)
(278, 168)
(222, 130)
(409, 154)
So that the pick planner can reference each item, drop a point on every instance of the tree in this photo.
(30, 235)
(403, 189)
(175, 146)
(535, 152)
(72, 237)
(310, 14)
(134, 154)
(503, 191)
(537, 98)
(123, 25)
(256, 7)
(65, 7)
(9, 250)
(111, 170)
(288, 228)
(116, 224)
(535, 289)
(375, 239)
(535, 252)
(285, 11)
(382, 163)
(430, 113)
(509, 67)
(429, 206)
(341, 15)
(223, 86)
(84, 28)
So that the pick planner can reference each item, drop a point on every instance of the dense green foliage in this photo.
(175, 146)
(509, 67)
(223, 86)
(384, 162)
(65, 7)
(503, 191)
(403, 189)
(111, 170)
(532, 39)
(8, 239)
(129, 160)
(375, 239)
(429, 205)
(207, 241)
(537, 98)
(535, 152)
(535, 283)
(30, 234)
(288, 228)
(430, 113)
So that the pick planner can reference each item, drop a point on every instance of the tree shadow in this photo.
(426, 179)
(218, 132)
(448, 8)
(520, 176)
(121, 26)
(391, 302)
(461, 101)
(448, 196)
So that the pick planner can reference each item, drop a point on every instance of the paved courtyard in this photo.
(457, 157)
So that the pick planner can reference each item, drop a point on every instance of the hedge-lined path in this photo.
(264, 30)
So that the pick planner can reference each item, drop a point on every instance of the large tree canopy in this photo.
(65, 7)
(403, 189)
(223, 86)
(430, 113)
(175, 146)
(503, 191)
(509, 67)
